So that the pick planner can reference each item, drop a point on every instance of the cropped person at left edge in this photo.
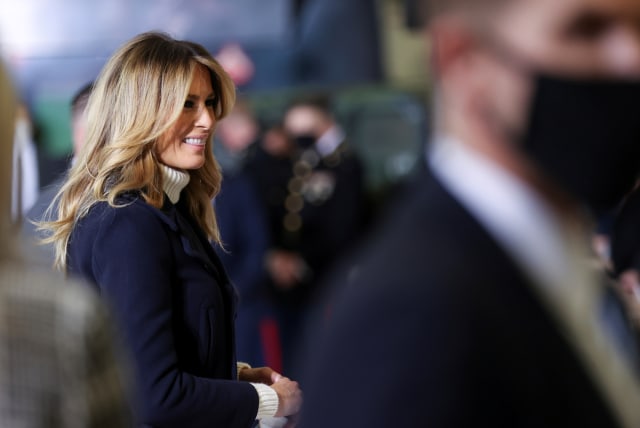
(135, 218)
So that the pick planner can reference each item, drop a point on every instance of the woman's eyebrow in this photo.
(211, 95)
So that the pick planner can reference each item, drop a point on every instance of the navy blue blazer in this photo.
(175, 307)
(440, 328)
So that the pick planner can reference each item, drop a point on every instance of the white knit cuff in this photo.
(268, 400)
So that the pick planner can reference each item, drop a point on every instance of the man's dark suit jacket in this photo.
(175, 306)
(441, 329)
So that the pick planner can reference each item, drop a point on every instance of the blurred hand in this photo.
(602, 248)
(264, 375)
(286, 268)
(629, 285)
(289, 397)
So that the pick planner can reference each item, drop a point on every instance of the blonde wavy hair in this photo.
(137, 97)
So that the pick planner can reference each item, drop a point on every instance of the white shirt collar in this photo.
(330, 140)
(521, 222)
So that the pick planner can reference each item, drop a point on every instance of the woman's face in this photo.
(183, 145)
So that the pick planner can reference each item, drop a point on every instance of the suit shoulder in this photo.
(429, 237)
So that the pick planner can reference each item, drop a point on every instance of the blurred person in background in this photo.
(243, 228)
(60, 361)
(45, 253)
(269, 167)
(625, 254)
(239, 135)
(474, 305)
(321, 213)
(135, 218)
(25, 183)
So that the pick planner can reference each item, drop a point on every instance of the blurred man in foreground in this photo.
(474, 306)
(60, 362)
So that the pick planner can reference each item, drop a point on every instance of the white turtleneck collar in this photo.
(173, 181)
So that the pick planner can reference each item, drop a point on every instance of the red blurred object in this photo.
(236, 62)
(272, 347)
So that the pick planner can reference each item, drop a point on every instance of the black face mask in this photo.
(585, 135)
(582, 133)
(305, 141)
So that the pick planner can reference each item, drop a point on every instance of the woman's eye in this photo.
(188, 104)
(211, 102)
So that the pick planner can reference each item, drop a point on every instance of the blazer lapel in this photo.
(196, 245)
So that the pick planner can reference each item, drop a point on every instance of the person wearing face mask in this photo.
(320, 215)
(474, 305)
(135, 218)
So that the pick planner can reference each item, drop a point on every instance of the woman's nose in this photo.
(205, 118)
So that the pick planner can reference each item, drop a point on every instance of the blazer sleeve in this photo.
(132, 264)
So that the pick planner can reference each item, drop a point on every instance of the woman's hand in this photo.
(289, 393)
(289, 396)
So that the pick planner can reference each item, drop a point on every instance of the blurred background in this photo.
(365, 54)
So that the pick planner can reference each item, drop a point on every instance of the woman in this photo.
(135, 218)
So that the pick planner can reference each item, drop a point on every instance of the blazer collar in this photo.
(194, 242)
